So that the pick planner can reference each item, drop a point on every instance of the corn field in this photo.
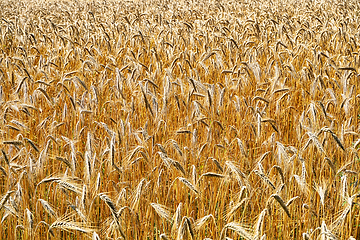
(159, 119)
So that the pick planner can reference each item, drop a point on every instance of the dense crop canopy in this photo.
(194, 119)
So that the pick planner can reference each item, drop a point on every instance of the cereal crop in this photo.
(159, 119)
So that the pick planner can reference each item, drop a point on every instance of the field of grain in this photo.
(197, 119)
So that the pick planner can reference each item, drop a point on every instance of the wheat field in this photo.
(160, 119)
